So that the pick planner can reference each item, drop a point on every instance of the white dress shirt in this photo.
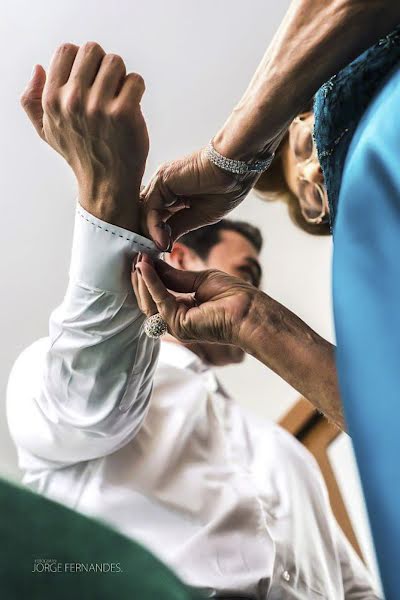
(158, 450)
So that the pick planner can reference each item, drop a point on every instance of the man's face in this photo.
(234, 254)
(237, 256)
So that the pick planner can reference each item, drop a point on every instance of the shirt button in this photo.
(286, 576)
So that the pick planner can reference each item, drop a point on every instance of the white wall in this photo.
(196, 58)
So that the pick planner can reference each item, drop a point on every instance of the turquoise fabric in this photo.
(45, 549)
(366, 280)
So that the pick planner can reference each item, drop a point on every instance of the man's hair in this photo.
(203, 239)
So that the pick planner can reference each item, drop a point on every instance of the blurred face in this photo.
(234, 255)
(303, 172)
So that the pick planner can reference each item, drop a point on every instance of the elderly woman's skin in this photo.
(229, 310)
(315, 40)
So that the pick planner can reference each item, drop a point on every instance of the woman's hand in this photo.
(216, 307)
(213, 308)
(207, 193)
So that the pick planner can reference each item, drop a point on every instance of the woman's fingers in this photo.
(158, 225)
(147, 304)
(165, 303)
(172, 182)
(207, 285)
(185, 282)
(145, 301)
(134, 281)
(157, 197)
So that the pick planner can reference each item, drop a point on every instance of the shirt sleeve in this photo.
(83, 392)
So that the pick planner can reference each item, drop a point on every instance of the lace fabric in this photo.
(341, 102)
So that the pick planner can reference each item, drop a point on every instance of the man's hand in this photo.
(88, 109)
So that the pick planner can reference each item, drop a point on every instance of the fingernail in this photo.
(135, 261)
(165, 247)
(33, 71)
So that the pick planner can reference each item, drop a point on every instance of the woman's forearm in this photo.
(315, 40)
(284, 343)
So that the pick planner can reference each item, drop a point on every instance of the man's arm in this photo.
(88, 392)
(84, 392)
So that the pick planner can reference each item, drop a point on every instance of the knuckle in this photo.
(25, 100)
(163, 170)
(137, 80)
(65, 48)
(115, 60)
(120, 113)
(162, 305)
(114, 113)
(90, 47)
(73, 101)
(51, 101)
(206, 275)
(94, 111)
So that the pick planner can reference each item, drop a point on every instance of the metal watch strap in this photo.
(239, 167)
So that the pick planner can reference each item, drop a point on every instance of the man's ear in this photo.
(184, 258)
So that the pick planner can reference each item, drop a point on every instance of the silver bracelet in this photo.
(239, 167)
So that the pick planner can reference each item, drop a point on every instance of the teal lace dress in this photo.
(340, 104)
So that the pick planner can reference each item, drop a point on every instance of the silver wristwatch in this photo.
(239, 167)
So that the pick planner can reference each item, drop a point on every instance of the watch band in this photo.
(239, 167)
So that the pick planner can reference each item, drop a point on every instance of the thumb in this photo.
(210, 284)
(31, 99)
(177, 280)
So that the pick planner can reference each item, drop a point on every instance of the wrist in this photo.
(252, 132)
(252, 327)
(113, 205)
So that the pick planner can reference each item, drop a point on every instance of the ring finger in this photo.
(111, 73)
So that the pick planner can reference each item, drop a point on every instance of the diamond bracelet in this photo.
(239, 167)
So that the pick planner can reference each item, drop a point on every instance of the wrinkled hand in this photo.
(207, 192)
(88, 109)
(213, 308)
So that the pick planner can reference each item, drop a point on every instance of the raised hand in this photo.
(88, 109)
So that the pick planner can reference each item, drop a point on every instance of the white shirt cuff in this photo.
(102, 253)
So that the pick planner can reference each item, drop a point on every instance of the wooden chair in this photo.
(316, 433)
